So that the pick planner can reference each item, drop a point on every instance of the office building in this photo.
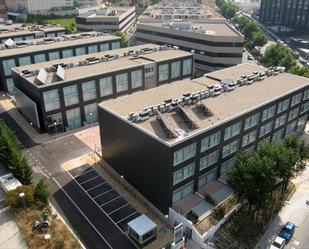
(289, 13)
(107, 19)
(172, 141)
(39, 7)
(3, 9)
(193, 27)
(62, 95)
(27, 52)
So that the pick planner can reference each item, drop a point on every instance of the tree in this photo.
(124, 40)
(41, 192)
(259, 39)
(300, 70)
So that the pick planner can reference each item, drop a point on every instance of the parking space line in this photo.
(92, 187)
(103, 193)
(110, 201)
(118, 208)
(127, 216)
(96, 203)
(82, 213)
(85, 172)
(88, 180)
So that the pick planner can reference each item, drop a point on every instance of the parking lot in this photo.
(105, 196)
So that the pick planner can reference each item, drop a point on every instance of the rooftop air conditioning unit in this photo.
(130, 116)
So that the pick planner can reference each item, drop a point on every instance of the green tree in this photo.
(41, 191)
(259, 39)
(300, 70)
(124, 40)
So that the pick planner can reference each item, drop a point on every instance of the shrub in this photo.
(192, 216)
(209, 199)
(13, 199)
(219, 213)
(41, 192)
(59, 242)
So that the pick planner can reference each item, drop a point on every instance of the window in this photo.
(67, 53)
(284, 105)
(187, 67)
(53, 55)
(232, 131)
(268, 113)
(291, 128)
(265, 129)
(50, 35)
(306, 94)
(184, 154)
(51, 100)
(29, 37)
(207, 178)
(183, 173)
(92, 49)
(10, 85)
(70, 94)
(122, 83)
(296, 99)
(252, 121)
(24, 60)
(249, 138)
(227, 167)
(301, 123)
(280, 121)
(137, 78)
(89, 90)
(60, 34)
(91, 113)
(230, 148)
(115, 45)
(210, 141)
(104, 47)
(7, 65)
(304, 108)
(209, 160)
(163, 72)
(73, 118)
(278, 136)
(106, 86)
(39, 58)
(80, 51)
(175, 71)
(293, 113)
(182, 192)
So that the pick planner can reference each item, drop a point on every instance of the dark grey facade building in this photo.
(62, 95)
(290, 13)
(21, 53)
(172, 141)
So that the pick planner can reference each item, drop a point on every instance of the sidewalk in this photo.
(10, 236)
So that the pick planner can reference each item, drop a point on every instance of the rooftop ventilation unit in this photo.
(49, 40)
(92, 60)
(21, 44)
(168, 130)
(9, 42)
(42, 76)
(206, 111)
(26, 73)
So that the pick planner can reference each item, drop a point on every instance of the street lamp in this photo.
(22, 197)
(47, 238)
(55, 123)
(166, 219)
(90, 117)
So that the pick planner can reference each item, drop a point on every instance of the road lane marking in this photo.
(82, 213)
(103, 193)
(118, 208)
(92, 187)
(127, 217)
(88, 180)
(105, 203)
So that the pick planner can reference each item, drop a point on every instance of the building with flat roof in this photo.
(63, 94)
(172, 141)
(193, 27)
(20, 53)
(289, 13)
(107, 19)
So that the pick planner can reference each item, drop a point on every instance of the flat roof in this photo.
(106, 13)
(25, 29)
(224, 107)
(123, 62)
(36, 45)
(142, 225)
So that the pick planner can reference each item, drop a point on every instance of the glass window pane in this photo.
(91, 113)
(232, 131)
(70, 94)
(122, 83)
(207, 178)
(92, 49)
(187, 66)
(115, 45)
(80, 51)
(182, 192)
(283, 105)
(67, 53)
(39, 58)
(54, 55)
(25, 60)
(10, 85)
(265, 129)
(7, 65)
(106, 86)
(175, 71)
(184, 154)
(89, 90)
(280, 121)
(104, 47)
(268, 113)
(209, 160)
(51, 100)
(252, 121)
(163, 72)
(227, 167)
(137, 78)
(230, 148)
(210, 141)
(249, 138)
(296, 99)
(73, 118)
(183, 173)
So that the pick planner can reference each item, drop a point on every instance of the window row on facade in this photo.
(34, 36)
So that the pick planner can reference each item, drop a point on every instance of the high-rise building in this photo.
(290, 13)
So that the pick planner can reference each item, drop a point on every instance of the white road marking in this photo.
(92, 187)
(82, 213)
(44, 174)
(118, 208)
(103, 193)
(97, 203)
(127, 216)
(110, 201)
(89, 179)
(85, 172)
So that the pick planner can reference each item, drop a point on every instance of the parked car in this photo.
(278, 243)
(287, 231)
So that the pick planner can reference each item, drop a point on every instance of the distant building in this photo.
(107, 19)
(289, 13)
(3, 9)
(38, 6)
(193, 27)
(62, 95)
(176, 142)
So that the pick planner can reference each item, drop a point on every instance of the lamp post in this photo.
(55, 123)
(90, 113)
(166, 219)
(47, 238)
(22, 197)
